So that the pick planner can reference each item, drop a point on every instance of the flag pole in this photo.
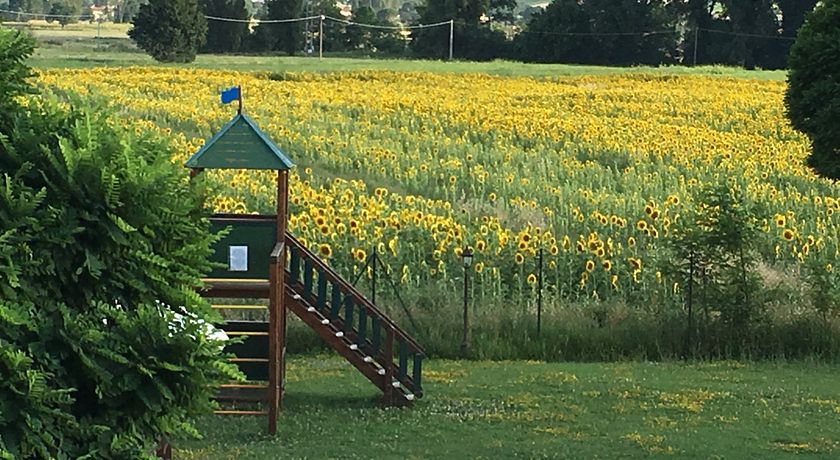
(240, 99)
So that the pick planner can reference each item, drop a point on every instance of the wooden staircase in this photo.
(347, 321)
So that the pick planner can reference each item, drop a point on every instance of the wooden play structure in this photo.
(264, 261)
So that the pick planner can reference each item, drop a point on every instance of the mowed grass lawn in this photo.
(545, 410)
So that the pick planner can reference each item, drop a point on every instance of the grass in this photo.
(538, 410)
(76, 46)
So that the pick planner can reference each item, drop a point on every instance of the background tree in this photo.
(65, 11)
(225, 36)
(370, 39)
(285, 37)
(126, 10)
(813, 94)
(170, 30)
(335, 33)
(473, 39)
(591, 32)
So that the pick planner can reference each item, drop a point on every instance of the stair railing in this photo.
(360, 320)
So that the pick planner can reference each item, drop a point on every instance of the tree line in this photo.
(749, 33)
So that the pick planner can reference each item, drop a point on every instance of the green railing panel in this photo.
(294, 267)
(360, 338)
(348, 314)
(335, 304)
(415, 376)
(376, 332)
(322, 292)
(307, 279)
(403, 370)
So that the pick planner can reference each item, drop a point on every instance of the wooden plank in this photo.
(240, 412)
(248, 360)
(252, 386)
(247, 333)
(240, 307)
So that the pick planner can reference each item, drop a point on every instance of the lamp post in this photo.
(466, 257)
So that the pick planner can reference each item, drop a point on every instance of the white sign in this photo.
(238, 260)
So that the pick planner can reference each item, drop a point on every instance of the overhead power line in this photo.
(600, 34)
(745, 34)
(378, 26)
(48, 15)
(260, 21)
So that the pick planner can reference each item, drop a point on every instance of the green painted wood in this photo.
(376, 332)
(258, 234)
(321, 301)
(307, 279)
(348, 314)
(415, 376)
(294, 267)
(403, 369)
(240, 144)
(335, 304)
(360, 337)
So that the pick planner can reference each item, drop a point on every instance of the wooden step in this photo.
(248, 360)
(235, 288)
(244, 385)
(240, 307)
(240, 412)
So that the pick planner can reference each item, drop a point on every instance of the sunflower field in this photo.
(592, 172)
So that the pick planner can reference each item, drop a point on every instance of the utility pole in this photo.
(321, 38)
(696, 35)
(451, 36)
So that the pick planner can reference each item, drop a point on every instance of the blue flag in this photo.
(230, 95)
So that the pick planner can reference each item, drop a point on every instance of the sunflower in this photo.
(553, 250)
(360, 255)
(532, 279)
(614, 281)
(780, 220)
(635, 263)
(641, 225)
(788, 234)
(325, 250)
(590, 265)
(607, 265)
(519, 258)
(479, 267)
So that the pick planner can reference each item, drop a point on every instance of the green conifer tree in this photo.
(170, 30)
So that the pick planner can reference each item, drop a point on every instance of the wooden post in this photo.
(277, 308)
(274, 376)
(282, 219)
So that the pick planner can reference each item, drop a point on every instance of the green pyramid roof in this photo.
(240, 145)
